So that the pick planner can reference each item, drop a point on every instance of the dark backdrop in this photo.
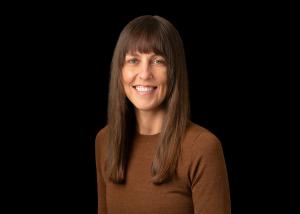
(65, 57)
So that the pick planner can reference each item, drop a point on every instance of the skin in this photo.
(144, 78)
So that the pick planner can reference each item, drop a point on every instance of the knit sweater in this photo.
(200, 187)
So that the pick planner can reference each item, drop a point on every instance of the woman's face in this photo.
(144, 78)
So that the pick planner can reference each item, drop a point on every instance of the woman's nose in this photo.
(145, 71)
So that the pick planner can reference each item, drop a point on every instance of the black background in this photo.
(59, 97)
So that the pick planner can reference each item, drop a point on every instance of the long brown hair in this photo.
(146, 34)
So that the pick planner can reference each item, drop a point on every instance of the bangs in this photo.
(146, 40)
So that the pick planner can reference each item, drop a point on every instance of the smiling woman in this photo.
(150, 157)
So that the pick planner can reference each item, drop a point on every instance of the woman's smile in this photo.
(145, 90)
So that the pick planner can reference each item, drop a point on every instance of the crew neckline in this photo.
(147, 135)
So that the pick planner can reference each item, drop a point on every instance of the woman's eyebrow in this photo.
(132, 55)
(136, 54)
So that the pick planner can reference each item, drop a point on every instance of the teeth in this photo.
(144, 89)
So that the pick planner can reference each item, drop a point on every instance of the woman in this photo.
(150, 157)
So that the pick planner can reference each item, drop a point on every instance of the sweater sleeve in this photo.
(101, 188)
(208, 176)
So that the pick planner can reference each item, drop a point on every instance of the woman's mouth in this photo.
(144, 90)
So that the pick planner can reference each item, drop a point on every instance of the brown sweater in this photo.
(201, 186)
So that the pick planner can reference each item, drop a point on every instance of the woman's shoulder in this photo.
(101, 136)
(200, 137)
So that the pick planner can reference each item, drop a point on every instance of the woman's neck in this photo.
(149, 122)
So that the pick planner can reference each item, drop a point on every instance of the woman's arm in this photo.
(101, 188)
(208, 176)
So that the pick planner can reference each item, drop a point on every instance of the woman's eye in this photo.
(158, 61)
(132, 61)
